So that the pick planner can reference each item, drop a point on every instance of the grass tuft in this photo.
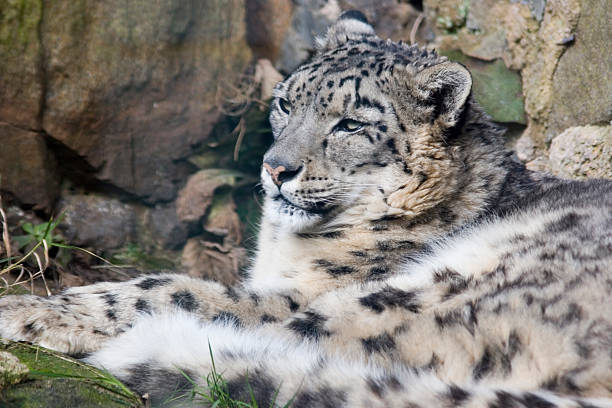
(215, 393)
(35, 244)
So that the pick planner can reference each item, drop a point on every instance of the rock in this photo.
(21, 84)
(582, 152)
(310, 19)
(165, 227)
(131, 86)
(525, 148)
(223, 221)
(537, 8)
(223, 150)
(446, 17)
(582, 82)
(51, 379)
(390, 18)
(68, 280)
(12, 371)
(538, 51)
(209, 260)
(194, 199)
(539, 164)
(28, 170)
(92, 220)
(523, 36)
(267, 24)
(484, 37)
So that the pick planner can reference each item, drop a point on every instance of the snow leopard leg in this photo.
(167, 357)
(79, 320)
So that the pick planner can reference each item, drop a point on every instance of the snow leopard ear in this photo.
(445, 86)
(351, 25)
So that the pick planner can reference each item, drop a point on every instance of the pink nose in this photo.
(275, 173)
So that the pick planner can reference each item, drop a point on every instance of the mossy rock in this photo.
(12, 371)
(44, 378)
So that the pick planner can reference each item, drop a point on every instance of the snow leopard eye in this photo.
(349, 125)
(284, 105)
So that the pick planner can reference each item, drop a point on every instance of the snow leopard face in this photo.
(354, 126)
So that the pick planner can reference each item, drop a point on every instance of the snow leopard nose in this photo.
(281, 172)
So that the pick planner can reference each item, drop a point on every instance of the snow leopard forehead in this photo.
(351, 43)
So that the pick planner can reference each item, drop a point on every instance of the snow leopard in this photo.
(404, 259)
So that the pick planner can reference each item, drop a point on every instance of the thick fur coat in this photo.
(405, 259)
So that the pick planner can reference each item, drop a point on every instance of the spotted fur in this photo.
(405, 260)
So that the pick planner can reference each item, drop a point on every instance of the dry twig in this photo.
(415, 28)
(5, 234)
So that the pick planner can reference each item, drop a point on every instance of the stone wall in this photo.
(560, 50)
(143, 122)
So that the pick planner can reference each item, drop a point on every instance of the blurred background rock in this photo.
(144, 122)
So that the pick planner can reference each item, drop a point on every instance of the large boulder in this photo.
(129, 87)
(132, 86)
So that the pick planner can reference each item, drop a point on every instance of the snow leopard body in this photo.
(405, 259)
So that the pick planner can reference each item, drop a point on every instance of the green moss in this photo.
(220, 201)
(19, 20)
(55, 380)
(60, 392)
(12, 371)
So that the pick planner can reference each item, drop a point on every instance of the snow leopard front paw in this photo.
(49, 323)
